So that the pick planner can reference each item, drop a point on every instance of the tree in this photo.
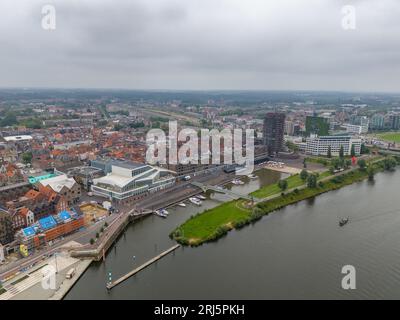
(389, 164)
(347, 163)
(105, 224)
(371, 173)
(97, 235)
(283, 184)
(341, 152)
(27, 157)
(353, 151)
(118, 127)
(291, 146)
(362, 164)
(329, 154)
(364, 149)
(9, 120)
(312, 181)
(91, 241)
(305, 163)
(335, 163)
(303, 174)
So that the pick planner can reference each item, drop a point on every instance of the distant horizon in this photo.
(2, 88)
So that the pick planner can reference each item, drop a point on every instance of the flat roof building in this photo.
(318, 146)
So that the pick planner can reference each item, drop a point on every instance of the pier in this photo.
(143, 266)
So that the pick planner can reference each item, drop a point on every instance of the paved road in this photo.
(81, 237)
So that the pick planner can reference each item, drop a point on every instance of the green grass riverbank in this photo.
(215, 223)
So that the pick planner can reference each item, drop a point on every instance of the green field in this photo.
(390, 136)
(204, 225)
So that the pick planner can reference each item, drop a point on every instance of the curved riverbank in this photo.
(215, 223)
(296, 253)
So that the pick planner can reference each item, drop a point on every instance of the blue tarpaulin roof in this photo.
(47, 223)
(64, 215)
(30, 231)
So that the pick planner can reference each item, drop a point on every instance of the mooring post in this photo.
(108, 285)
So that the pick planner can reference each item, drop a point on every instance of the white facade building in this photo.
(358, 129)
(132, 181)
(318, 146)
(2, 257)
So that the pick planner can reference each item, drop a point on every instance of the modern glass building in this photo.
(131, 181)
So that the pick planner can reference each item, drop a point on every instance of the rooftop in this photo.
(18, 138)
(58, 182)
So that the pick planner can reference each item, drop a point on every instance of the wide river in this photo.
(294, 253)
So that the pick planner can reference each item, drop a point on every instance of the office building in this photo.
(318, 146)
(274, 128)
(377, 122)
(394, 121)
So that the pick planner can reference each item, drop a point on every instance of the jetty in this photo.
(112, 284)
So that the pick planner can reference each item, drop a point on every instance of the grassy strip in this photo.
(215, 223)
(390, 136)
(324, 161)
(2, 290)
(293, 182)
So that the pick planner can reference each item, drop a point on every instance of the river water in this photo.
(295, 253)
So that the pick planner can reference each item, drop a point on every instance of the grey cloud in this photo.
(201, 44)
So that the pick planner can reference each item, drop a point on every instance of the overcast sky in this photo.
(201, 44)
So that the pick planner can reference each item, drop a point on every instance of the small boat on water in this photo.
(195, 201)
(160, 213)
(252, 176)
(237, 182)
(183, 205)
(201, 197)
(343, 221)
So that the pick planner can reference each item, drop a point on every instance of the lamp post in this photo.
(55, 258)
